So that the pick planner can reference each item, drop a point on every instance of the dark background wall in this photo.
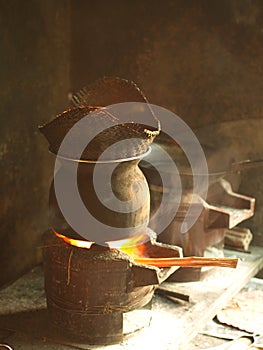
(201, 59)
(34, 82)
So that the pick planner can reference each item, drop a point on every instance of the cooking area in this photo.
(132, 190)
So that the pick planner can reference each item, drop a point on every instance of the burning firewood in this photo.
(192, 261)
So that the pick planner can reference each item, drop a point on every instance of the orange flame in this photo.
(75, 242)
(136, 248)
(132, 246)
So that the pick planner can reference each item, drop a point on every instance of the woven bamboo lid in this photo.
(101, 126)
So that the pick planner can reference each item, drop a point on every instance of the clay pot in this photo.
(128, 184)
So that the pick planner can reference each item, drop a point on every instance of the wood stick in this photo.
(171, 293)
(191, 261)
(239, 238)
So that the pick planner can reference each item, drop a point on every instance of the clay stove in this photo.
(221, 209)
(89, 290)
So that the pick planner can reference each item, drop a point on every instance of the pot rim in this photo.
(110, 161)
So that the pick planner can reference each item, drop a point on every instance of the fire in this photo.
(133, 246)
(75, 242)
(136, 248)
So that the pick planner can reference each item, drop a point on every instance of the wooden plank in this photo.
(171, 325)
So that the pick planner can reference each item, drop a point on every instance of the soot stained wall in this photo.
(201, 59)
(34, 71)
